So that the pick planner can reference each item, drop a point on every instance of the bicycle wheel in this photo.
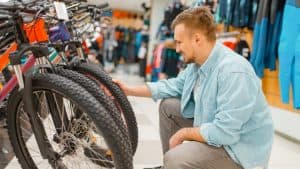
(98, 93)
(96, 73)
(91, 139)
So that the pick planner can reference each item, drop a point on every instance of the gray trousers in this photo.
(191, 154)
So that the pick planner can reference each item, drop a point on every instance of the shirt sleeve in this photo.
(168, 88)
(236, 98)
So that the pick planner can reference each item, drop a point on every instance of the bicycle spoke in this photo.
(84, 139)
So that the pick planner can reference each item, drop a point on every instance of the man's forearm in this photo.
(140, 91)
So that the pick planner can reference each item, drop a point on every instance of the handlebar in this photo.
(17, 8)
(100, 6)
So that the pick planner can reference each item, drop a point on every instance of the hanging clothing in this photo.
(109, 44)
(142, 60)
(230, 42)
(266, 31)
(129, 42)
(238, 13)
(209, 3)
(156, 62)
(171, 12)
(260, 37)
(253, 13)
(243, 49)
(274, 29)
(119, 48)
(289, 53)
(131, 46)
(170, 62)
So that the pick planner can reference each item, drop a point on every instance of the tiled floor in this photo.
(285, 154)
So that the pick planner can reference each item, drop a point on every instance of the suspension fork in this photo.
(25, 86)
(53, 103)
(44, 145)
(80, 52)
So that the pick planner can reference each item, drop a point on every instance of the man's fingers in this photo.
(173, 142)
(115, 80)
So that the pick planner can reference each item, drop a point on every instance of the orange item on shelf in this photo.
(35, 31)
(4, 58)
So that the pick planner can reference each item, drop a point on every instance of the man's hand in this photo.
(177, 138)
(185, 134)
(140, 91)
(122, 86)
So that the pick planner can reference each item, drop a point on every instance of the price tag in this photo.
(61, 11)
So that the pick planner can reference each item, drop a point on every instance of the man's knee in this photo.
(178, 159)
(194, 155)
(172, 160)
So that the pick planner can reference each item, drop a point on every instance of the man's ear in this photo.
(198, 37)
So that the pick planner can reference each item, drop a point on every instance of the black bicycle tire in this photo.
(98, 93)
(130, 118)
(73, 91)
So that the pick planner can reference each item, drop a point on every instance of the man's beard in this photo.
(188, 60)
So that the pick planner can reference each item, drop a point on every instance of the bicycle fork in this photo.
(25, 86)
(44, 145)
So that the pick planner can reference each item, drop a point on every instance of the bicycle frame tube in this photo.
(12, 83)
(54, 57)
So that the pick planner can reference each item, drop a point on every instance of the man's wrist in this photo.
(193, 134)
(128, 91)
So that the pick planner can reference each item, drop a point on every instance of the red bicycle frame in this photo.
(12, 83)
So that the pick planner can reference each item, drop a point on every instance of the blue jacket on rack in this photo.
(289, 53)
(266, 35)
(239, 13)
(276, 12)
(260, 37)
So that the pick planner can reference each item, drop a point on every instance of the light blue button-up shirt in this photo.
(230, 110)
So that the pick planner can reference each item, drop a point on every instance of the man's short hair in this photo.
(199, 18)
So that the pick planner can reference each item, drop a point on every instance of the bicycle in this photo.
(81, 65)
(44, 85)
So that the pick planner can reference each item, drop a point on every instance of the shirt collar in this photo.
(210, 62)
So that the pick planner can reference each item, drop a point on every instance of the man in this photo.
(214, 114)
